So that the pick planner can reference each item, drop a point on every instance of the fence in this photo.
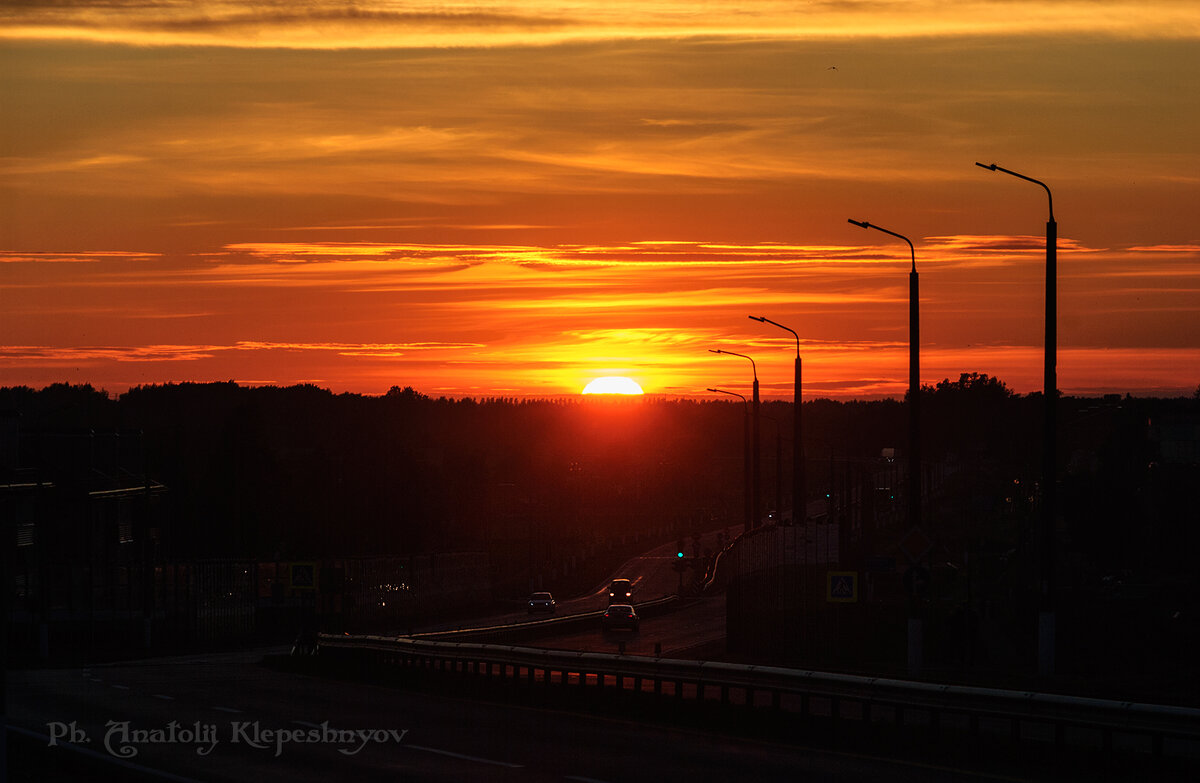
(77, 608)
(1023, 718)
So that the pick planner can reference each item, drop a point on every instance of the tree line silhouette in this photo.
(301, 471)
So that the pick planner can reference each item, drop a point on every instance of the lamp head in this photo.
(859, 223)
(989, 168)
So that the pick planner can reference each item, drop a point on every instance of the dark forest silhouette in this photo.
(132, 499)
(297, 471)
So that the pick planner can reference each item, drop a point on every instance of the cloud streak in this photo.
(35, 355)
(474, 318)
(389, 23)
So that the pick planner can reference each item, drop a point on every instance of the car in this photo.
(541, 602)
(620, 591)
(621, 616)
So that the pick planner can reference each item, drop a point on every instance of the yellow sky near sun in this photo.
(489, 198)
(505, 321)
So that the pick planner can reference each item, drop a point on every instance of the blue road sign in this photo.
(842, 587)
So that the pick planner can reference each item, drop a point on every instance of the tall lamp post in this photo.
(747, 491)
(756, 475)
(914, 380)
(799, 498)
(1046, 619)
(915, 633)
(778, 468)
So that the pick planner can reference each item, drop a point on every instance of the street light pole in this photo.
(1046, 618)
(914, 380)
(747, 491)
(799, 497)
(754, 453)
(778, 468)
(916, 634)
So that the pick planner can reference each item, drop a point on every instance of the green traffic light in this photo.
(679, 554)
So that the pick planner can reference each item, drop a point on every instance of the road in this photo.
(249, 719)
(440, 738)
(652, 573)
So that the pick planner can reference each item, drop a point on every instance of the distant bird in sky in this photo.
(831, 68)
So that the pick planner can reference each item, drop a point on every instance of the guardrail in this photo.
(1064, 721)
(534, 627)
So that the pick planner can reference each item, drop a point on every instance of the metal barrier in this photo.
(553, 624)
(823, 695)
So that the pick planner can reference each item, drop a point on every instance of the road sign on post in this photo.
(842, 587)
(916, 581)
(915, 545)
(303, 576)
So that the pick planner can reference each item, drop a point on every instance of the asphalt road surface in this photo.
(225, 717)
(238, 711)
(652, 573)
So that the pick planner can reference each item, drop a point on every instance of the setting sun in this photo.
(613, 384)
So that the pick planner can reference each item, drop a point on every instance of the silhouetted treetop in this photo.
(982, 386)
(276, 470)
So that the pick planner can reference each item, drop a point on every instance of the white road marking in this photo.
(121, 687)
(144, 773)
(164, 697)
(307, 724)
(582, 779)
(465, 757)
(228, 709)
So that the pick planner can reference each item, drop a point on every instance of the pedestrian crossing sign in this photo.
(842, 587)
(302, 576)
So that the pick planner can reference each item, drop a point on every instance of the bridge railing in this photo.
(1025, 716)
(529, 628)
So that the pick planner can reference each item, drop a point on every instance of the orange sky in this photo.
(480, 199)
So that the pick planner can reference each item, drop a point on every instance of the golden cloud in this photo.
(391, 23)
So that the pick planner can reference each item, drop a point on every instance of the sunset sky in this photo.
(514, 198)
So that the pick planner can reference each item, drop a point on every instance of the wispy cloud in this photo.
(36, 355)
(1004, 244)
(379, 23)
(42, 355)
(85, 257)
(1184, 249)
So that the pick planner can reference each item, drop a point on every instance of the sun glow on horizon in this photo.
(613, 384)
